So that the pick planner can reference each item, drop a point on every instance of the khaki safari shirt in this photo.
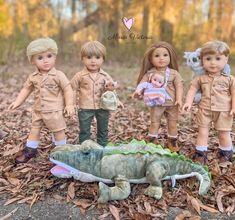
(216, 91)
(48, 90)
(89, 89)
(174, 83)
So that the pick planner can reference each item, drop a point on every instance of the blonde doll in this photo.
(161, 57)
(217, 104)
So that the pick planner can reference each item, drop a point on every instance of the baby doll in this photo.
(53, 96)
(161, 57)
(154, 90)
(89, 85)
(217, 103)
(109, 99)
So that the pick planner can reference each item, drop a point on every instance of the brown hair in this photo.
(146, 62)
(214, 47)
(93, 48)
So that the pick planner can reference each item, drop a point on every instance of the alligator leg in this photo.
(155, 172)
(120, 191)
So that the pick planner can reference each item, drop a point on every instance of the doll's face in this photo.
(214, 63)
(44, 61)
(160, 58)
(157, 80)
(93, 63)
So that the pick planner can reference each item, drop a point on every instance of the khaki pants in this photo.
(156, 113)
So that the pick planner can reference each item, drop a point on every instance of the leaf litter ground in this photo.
(31, 182)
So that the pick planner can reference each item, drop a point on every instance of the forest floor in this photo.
(33, 184)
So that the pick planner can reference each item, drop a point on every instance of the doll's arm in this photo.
(189, 98)
(69, 100)
(23, 95)
(232, 112)
(179, 89)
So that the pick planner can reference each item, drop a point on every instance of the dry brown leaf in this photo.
(35, 197)
(219, 201)
(82, 203)
(3, 181)
(25, 200)
(114, 211)
(13, 181)
(195, 204)
(9, 214)
(194, 217)
(147, 207)
(183, 215)
(71, 191)
(12, 200)
(208, 208)
(11, 151)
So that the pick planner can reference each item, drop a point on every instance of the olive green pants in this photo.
(85, 118)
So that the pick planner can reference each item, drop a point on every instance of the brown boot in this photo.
(200, 157)
(152, 139)
(172, 144)
(225, 155)
(26, 154)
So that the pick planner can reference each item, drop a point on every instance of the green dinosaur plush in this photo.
(134, 162)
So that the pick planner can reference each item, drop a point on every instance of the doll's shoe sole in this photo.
(26, 155)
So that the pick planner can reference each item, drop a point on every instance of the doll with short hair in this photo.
(217, 104)
(53, 96)
(89, 86)
(161, 57)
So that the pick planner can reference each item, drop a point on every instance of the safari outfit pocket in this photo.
(52, 88)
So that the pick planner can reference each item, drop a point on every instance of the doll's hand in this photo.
(136, 94)
(69, 110)
(179, 103)
(232, 112)
(186, 107)
(12, 106)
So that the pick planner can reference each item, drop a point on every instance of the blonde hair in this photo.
(41, 45)
(93, 48)
(146, 62)
(214, 47)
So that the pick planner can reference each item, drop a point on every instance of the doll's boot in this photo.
(26, 154)
(225, 156)
(172, 144)
(200, 157)
(152, 139)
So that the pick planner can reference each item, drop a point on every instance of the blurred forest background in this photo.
(184, 23)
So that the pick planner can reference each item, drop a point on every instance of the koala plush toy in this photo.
(194, 62)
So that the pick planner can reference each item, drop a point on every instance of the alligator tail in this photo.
(203, 176)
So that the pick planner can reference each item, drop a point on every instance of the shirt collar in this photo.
(85, 71)
(51, 72)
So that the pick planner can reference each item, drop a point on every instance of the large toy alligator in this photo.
(135, 162)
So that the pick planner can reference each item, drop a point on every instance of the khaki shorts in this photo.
(222, 120)
(170, 112)
(54, 121)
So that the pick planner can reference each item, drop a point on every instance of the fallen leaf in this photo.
(183, 215)
(11, 201)
(9, 214)
(71, 191)
(114, 211)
